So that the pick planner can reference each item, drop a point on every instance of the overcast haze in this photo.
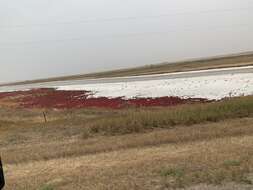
(47, 38)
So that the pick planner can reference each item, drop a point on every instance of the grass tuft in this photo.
(173, 172)
(46, 187)
(140, 120)
(231, 163)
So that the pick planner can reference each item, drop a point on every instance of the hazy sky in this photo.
(45, 38)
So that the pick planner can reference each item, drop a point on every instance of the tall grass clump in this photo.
(141, 119)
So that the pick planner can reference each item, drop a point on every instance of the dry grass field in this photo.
(194, 147)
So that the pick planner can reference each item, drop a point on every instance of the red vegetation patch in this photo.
(51, 98)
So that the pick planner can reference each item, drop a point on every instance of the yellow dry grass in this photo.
(139, 168)
(64, 154)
